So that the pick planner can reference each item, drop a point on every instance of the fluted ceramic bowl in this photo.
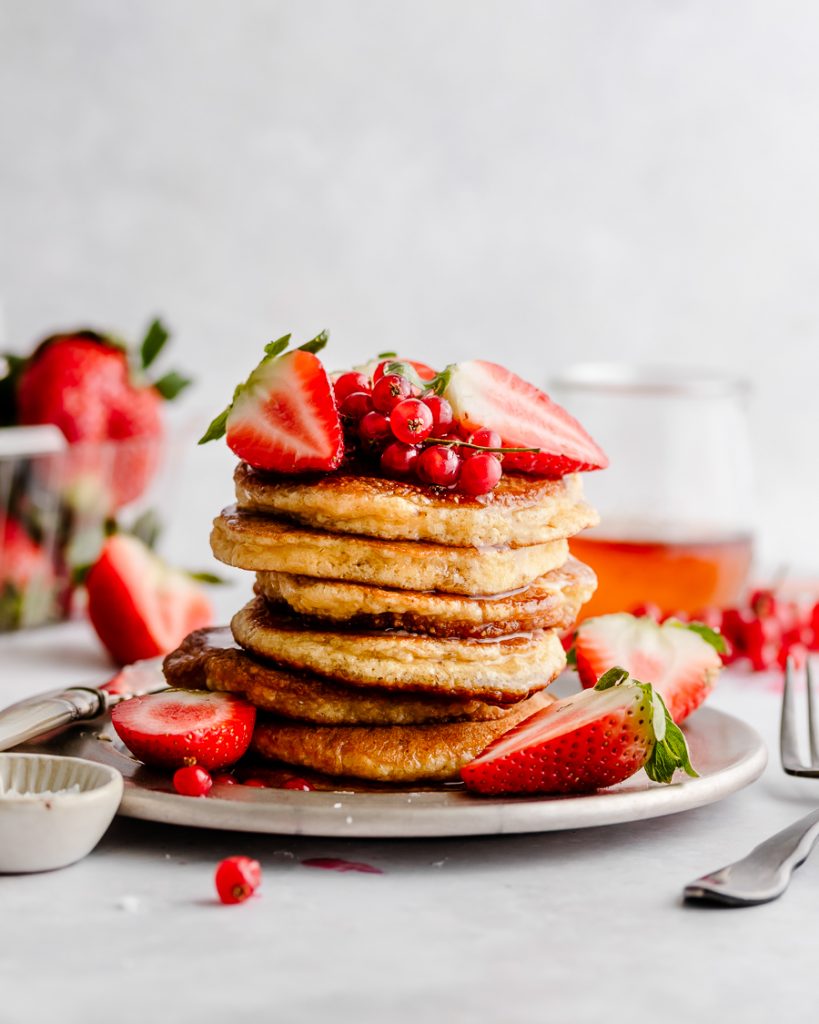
(53, 810)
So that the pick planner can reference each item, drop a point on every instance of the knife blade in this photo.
(47, 712)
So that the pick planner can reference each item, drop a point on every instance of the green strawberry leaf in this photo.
(275, 348)
(147, 527)
(571, 657)
(172, 384)
(614, 677)
(155, 339)
(709, 635)
(207, 577)
(316, 344)
(272, 350)
(670, 750)
(387, 355)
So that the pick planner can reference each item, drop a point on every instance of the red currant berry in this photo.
(192, 780)
(399, 459)
(389, 391)
(237, 878)
(380, 370)
(648, 610)
(442, 417)
(374, 429)
(439, 465)
(255, 783)
(479, 474)
(224, 780)
(300, 784)
(349, 383)
(356, 406)
(485, 438)
(411, 421)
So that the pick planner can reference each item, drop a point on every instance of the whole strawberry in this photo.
(589, 741)
(28, 585)
(84, 384)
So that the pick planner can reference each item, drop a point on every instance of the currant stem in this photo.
(478, 447)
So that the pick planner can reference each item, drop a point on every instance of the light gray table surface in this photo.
(576, 926)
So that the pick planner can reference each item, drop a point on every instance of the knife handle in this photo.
(32, 718)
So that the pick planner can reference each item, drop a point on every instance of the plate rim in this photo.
(436, 813)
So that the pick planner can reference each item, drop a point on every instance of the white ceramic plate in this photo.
(727, 753)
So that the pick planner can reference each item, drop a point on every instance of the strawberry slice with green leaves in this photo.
(175, 728)
(284, 417)
(585, 742)
(680, 660)
(485, 394)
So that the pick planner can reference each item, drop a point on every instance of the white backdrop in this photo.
(538, 182)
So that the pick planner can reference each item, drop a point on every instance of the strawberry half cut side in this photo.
(484, 394)
(585, 742)
(284, 417)
(681, 660)
(176, 728)
(139, 606)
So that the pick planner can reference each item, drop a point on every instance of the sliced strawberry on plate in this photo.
(284, 417)
(591, 740)
(185, 727)
(680, 660)
(139, 606)
(488, 395)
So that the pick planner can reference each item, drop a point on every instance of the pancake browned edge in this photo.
(411, 753)
(262, 543)
(500, 670)
(210, 659)
(551, 602)
(521, 510)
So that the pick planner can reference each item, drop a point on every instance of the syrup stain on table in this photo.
(339, 864)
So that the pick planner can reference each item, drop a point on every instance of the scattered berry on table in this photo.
(237, 878)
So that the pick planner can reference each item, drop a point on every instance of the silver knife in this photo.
(37, 716)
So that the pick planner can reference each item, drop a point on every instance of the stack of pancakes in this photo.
(397, 629)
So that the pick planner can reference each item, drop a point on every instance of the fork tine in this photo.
(813, 726)
(788, 743)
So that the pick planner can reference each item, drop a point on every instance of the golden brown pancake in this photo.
(262, 543)
(551, 602)
(411, 753)
(522, 510)
(501, 670)
(209, 659)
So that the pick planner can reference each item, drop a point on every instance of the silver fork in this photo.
(764, 874)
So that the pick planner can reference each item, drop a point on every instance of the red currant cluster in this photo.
(413, 433)
(765, 632)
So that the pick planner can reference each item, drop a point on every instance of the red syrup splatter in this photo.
(338, 864)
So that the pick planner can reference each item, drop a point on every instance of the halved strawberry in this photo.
(488, 395)
(139, 606)
(680, 660)
(591, 740)
(284, 417)
(184, 727)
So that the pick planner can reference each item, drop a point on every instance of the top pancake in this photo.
(521, 510)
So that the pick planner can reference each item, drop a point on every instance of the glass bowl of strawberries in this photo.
(84, 452)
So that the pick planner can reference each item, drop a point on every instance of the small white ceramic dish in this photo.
(53, 810)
